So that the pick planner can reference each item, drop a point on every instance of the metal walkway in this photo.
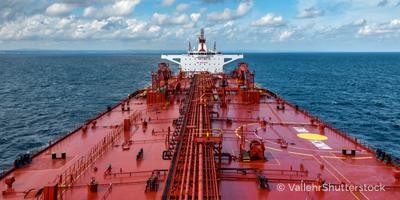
(193, 173)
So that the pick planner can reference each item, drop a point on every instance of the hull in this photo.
(204, 136)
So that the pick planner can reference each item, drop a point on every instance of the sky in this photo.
(236, 25)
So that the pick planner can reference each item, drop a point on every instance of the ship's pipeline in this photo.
(186, 106)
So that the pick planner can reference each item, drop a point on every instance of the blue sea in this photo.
(47, 94)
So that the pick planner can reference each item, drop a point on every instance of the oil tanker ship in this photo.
(203, 133)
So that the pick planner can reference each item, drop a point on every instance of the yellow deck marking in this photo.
(306, 149)
(343, 158)
(303, 154)
(316, 137)
(362, 158)
(334, 157)
(312, 136)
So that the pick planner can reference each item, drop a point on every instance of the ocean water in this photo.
(45, 95)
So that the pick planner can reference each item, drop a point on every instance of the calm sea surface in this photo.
(46, 95)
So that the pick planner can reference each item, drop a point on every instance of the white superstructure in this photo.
(202, 59)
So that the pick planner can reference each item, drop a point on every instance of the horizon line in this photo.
(183, 51)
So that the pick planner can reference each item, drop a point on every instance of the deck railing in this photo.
(67, 178)
(357, 141)
(36, 151)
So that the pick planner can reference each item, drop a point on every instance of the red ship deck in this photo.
(207, 123)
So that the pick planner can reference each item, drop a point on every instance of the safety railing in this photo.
(359, 142)
(73, 172)
(36, 151)
(66, 179)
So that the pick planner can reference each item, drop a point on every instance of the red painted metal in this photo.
(206, 136)
(127, 130)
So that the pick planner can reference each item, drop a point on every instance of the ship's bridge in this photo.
(202, 59)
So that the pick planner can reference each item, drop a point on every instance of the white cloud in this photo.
(184, 20)
(167, 2)
(36, 26)
(310, 12)
(182, 7)
(285, 35)
(57, 9)
(195, 17)
(244, 7)
(41, 27)
(118, 8)
(228, 14)
(395, 23)
(380, 29)
(371, 30)
(164, 19)
(154, 29)
(121, 8)
(179, 33)
(360, 22)
(89, 11)
(181, 19)
(159, 18)
(59, 20)
(269, 20)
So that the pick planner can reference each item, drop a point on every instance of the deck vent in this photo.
(346, 153)
(139, 156)
(62, 156)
